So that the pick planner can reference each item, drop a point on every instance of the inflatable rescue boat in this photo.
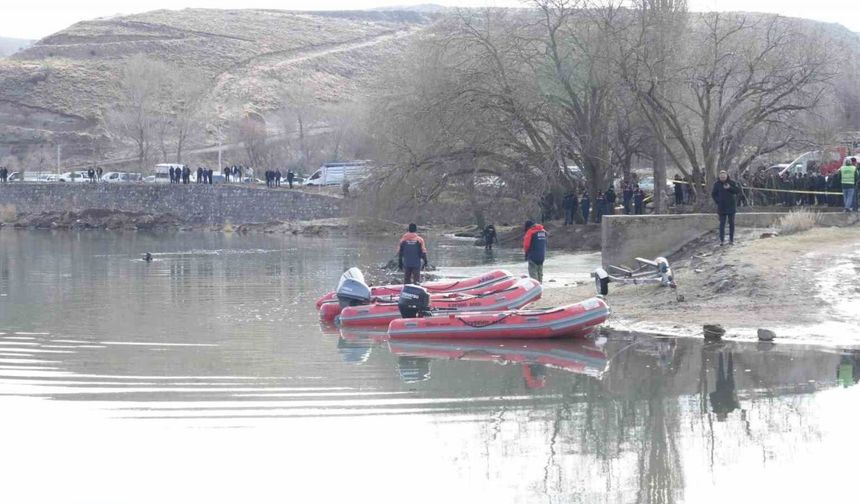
(573, 320)
(464, 285)
(415, 300)
(329, 310)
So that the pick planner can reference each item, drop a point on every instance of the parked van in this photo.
(334, 173)
(162, 172)
(116, 177)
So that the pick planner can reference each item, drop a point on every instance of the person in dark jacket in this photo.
(569, 208)
(679, 190)
(627, 198)
(200, 178)
(599, 207)
(290, 177)
(534, 248)
(411, 255)
(610, 201)
(585, 205)
(489, 236)
(638, 200)
(724, 194)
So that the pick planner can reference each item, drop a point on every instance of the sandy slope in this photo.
(759, 283)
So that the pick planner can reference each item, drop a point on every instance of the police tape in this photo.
(768, 189)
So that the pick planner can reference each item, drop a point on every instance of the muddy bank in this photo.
(120, 220)
(93, 219)
(576, 238)
(770, 283)
(323, 227)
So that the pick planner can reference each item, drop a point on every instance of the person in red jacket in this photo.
(411, 255)
(534, 247)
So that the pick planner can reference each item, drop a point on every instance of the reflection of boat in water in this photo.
(575, 356)
(355, 346)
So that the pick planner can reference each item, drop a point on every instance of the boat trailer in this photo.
(656, 271)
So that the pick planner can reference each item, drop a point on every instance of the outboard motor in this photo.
(352, 290)
(667, 279)
(414, 301)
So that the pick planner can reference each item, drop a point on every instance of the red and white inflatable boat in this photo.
(464, 285)
(523, 292)
(329, 310)
(573, 320)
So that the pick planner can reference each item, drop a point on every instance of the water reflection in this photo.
(213, 353)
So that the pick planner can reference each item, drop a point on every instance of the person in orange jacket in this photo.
(534, 247)
(412, 255)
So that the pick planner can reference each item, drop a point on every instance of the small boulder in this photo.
(713, 332)
(769, 234)
(766, 335)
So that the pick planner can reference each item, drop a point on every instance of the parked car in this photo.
(75, 176)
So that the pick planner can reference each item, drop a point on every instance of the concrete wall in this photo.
(213, 204)
(625, 237)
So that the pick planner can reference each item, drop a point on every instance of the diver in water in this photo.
(489, 236)
(147, 257)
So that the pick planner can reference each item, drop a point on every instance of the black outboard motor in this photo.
(414, 302)
(352, 289)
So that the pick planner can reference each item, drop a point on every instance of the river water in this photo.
(205, 377)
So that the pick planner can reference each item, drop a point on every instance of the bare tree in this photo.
(141, 90)
(731, 82)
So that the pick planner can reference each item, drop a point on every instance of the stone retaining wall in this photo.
(192, 203)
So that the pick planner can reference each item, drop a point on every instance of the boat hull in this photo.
(574, 320)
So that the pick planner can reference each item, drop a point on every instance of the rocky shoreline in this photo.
(568, 238)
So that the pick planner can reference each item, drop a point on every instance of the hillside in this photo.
(58, 90)
(60, 87)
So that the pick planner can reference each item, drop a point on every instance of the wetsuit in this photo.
(490, 237)
(412, 252)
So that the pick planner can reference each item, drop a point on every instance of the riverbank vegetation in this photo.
(530, 103)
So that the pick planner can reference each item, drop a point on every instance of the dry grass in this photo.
(798, 220)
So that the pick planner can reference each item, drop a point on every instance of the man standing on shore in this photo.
(724, 193)
(534, 247)
(585, 203)
(610, 201)
(848, 174)
(411, 255)
(569, 208)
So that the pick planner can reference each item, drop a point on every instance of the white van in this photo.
(116, 177)
(334, 173)
(162, 172)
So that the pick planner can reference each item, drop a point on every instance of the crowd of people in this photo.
(274, 177)
(581, 208)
